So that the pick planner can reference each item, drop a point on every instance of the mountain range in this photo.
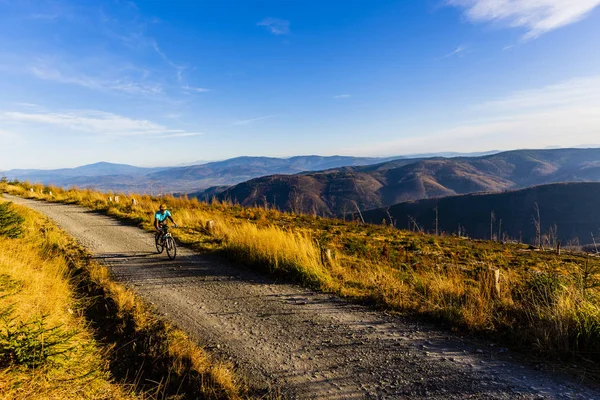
(341, 190)
(122, 177)
(196, 179)
(337, 186)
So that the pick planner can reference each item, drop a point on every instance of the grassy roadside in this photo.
(542, 302)
(46, 349)
(68, 331)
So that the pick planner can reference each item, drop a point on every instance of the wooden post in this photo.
(497, 281)
(210, 226)
(326, 257)
(116, 199)
(490, 281)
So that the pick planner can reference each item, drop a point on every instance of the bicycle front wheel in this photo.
(171, 248)
(159, 244)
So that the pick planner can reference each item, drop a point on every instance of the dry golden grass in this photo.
(544, 300)
(34, 283)
(36, 273)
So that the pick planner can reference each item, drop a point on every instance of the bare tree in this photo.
(297, 202)
(359, 213)
(392, 221)
(589, 276)
(552, 236)
(492, 219)
(417, 227)
(573, 242)
(500, 230)
(437, 231)
(537, 223)
(594, 240)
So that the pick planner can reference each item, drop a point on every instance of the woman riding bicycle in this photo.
(160, 220)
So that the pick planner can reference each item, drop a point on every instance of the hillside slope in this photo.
(336, 191)
(247, 316)
(573, 207)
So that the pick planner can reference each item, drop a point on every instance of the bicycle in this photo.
(164, 240)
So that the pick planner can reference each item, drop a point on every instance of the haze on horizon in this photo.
(163, 83)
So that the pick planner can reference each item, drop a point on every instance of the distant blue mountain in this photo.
(123, 177)
(97, 169)
(193, 178)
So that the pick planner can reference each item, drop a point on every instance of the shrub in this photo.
(542, 290)
(10, 222)
(32, 343)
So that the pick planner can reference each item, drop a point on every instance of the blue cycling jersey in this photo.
(161, 217)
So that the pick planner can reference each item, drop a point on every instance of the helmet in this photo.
(163, 207)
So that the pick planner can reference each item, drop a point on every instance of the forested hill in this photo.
(573, 207)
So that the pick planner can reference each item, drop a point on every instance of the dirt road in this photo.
(311, 345)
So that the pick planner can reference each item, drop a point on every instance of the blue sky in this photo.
(168, 82)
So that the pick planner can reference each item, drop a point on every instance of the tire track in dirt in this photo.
(310, 345)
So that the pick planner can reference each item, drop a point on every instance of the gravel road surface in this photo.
(308, 344)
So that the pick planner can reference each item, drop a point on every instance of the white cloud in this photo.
(536, 16)
(173, 115)
(566, 114)
(195, 89)
(252, 120)
(123, 85)
(276, 26)
(183, 134)
(26, 105)
(456, 52)
(96, 122)
(342, 96)
(579, 92)
(179, 68)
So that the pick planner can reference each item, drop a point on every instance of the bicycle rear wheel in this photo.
(171, 248)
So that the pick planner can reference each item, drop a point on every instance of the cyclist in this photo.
(160, 220)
